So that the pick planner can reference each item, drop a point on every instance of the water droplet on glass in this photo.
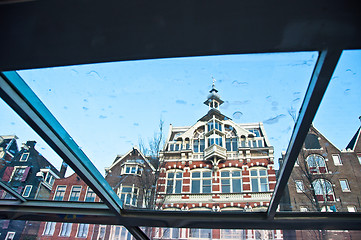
(237, 115)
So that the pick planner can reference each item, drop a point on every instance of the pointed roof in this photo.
(213, 95)
(352, 144)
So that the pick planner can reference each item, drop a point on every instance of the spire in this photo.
(214, 99)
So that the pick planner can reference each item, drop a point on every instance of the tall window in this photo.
(231, 181)
(231, 139)
(129, 195)
(75, 193)
(336, 159)
(49, 179)
(214, 124)
(323, 190)
(259, 180)
(27, 190)
(202, 181)
(198, 140)
(344, 185)
(299, 186)
(316, 163)
(49, 228)
(120, 233)
(82, 230)
(90, 195)
(59, 194)
(65, 229)
(174, 182)
(101, 235)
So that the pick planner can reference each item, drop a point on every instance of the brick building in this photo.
(32, 176)
(216, 165)
(325, 178)
(8, 149)
(71, 188)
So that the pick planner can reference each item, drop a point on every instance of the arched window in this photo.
(259, 180)
(231, 139)
(201, 181)
(198, 140)
(174, 181)
(231, 180)
(312, 142)
(323, 190)
(316, 163)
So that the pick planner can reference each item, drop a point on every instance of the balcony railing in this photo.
(215, 151)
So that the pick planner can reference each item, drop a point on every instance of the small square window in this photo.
(299, 186)
(336, 159)
(344, 185)
(351, 208)
(24, 157)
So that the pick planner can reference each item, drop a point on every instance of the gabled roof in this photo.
(352, 144)
(215, 112)
(119, 158)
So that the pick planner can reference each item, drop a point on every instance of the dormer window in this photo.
(49, 179)
(132, 168)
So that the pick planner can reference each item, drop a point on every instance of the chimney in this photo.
(63, 168)
(31, 144)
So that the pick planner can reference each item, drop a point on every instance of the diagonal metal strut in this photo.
(321, 76)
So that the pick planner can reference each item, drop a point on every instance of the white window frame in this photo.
(101, 227)
(67, 231)
(92, 192)
(16, 168)
(337, 159)
(351, 209)
(57, 191)
(199, 235)
(201, 180)
(259, 177)
(27, 187)
(27, 156)
(49, 228)
(322, 184)
(138, 169)
(82, 227)
(231, 178)
(10, 236)
(315, 169)
(132, 194)
(72, 191)
(303, 209)
(300, 187)
(175, 180)
(347, 185)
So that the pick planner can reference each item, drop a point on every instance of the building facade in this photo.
(216, 165)
(71, 188)
(325, 178)
(8, 149)
(32, 176)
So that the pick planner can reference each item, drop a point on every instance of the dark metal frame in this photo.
(23, 100)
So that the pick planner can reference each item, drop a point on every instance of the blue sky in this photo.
(107, 107)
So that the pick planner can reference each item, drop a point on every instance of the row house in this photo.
(71, 188)
(8, 149)
(216, 165)
(32, 176)
(325, 178)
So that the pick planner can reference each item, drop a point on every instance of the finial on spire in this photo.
(214, 82)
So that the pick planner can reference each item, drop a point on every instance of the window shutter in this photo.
(7, 174)
(25, 175)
